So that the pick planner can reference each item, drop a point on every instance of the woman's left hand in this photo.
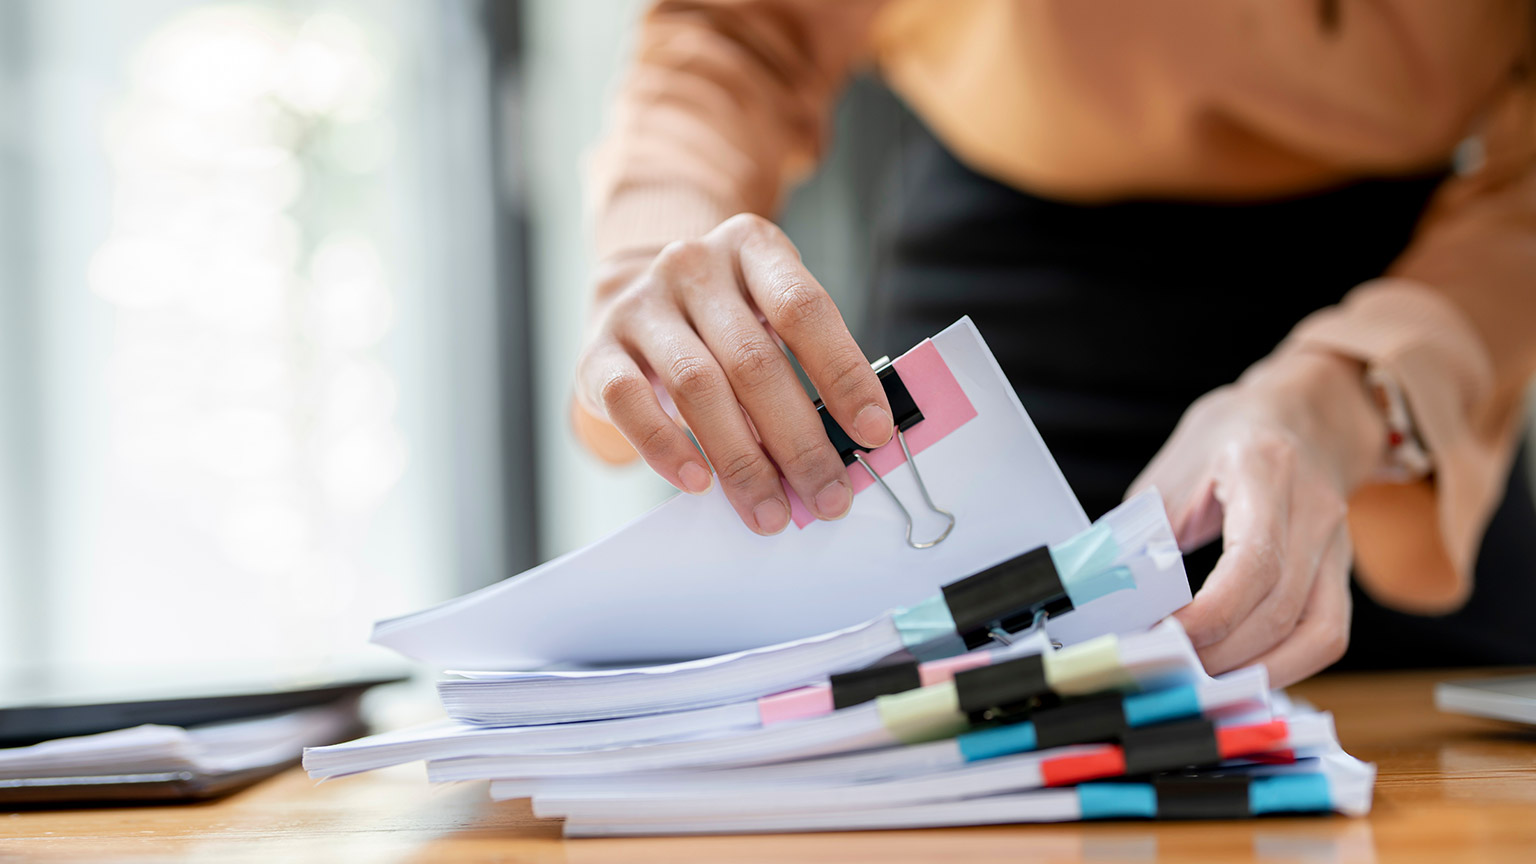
(1268, 465)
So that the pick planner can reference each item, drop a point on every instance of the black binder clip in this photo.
(905, 413)
(1203, 796)
(1007, 598)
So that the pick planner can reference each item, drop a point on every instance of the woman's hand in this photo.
(1268, 465)
(691, 320)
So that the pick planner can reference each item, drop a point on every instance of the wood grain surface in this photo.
(1451, 789)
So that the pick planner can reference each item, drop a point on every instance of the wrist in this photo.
(610, 276)
(1324, 397)
(613, 274)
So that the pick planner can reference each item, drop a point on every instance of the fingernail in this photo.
(771, 516)
(833, 501)
(696, 478)
(873, 424)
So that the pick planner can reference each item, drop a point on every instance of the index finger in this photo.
(1323, 634)
(1255, 511)
(799, 309)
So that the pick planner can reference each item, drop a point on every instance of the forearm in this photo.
(1453, 322)
(1416, 542)
(1325, 398)
(724, 103)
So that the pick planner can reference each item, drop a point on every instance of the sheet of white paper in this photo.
(230, 746)
(689, 580)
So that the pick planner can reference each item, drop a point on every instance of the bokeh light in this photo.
(250, 299)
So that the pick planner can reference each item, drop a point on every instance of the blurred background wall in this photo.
(257, 288)
(290, 298)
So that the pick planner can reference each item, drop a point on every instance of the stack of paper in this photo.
(1093, 565)
(151, 760)
(1024, 669)
(1327, 781)
(688, 580)
(998, 740)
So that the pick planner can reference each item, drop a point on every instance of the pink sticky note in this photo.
(945, 408)
(812, 701)
(939, 671)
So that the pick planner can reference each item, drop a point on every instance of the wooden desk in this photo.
(1451, 789)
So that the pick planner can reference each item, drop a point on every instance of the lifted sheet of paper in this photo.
(689, 580)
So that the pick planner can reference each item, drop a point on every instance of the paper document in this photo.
(1330, 780)
(236, 745)
(688, 580)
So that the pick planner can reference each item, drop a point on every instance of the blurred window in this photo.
(251, 377)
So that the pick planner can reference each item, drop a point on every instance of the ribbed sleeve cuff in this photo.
(646, 218)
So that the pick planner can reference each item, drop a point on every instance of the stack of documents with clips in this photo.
(964, 648)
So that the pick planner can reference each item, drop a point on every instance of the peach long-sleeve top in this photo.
(727, 102)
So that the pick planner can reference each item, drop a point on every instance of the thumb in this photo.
(1197, 517)
(1189, 496)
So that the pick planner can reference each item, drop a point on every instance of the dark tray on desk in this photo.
(169, 787)
(38, 712)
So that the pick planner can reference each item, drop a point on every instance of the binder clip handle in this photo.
(905, 414)
(922, 487)
(1004, 637)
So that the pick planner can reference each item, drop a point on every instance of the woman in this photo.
(1250, 214)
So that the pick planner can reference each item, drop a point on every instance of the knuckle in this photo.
(748, 224)
(755, 362)
(1214, 625)
(1220, 623)
(744, 470)
(1332, 644)
(1212, 661)
(681, 257)
(794, 303)
(628, 305)
(1278, 450)
(1213, 399)
(1281, 618)
(694, 378)
(808, 457)
(1201, 408)
(849, 378)
(1289, 608)
(620, 391)
(1262, 562)
(654, 440)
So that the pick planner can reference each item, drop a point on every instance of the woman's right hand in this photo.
(699, 320)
